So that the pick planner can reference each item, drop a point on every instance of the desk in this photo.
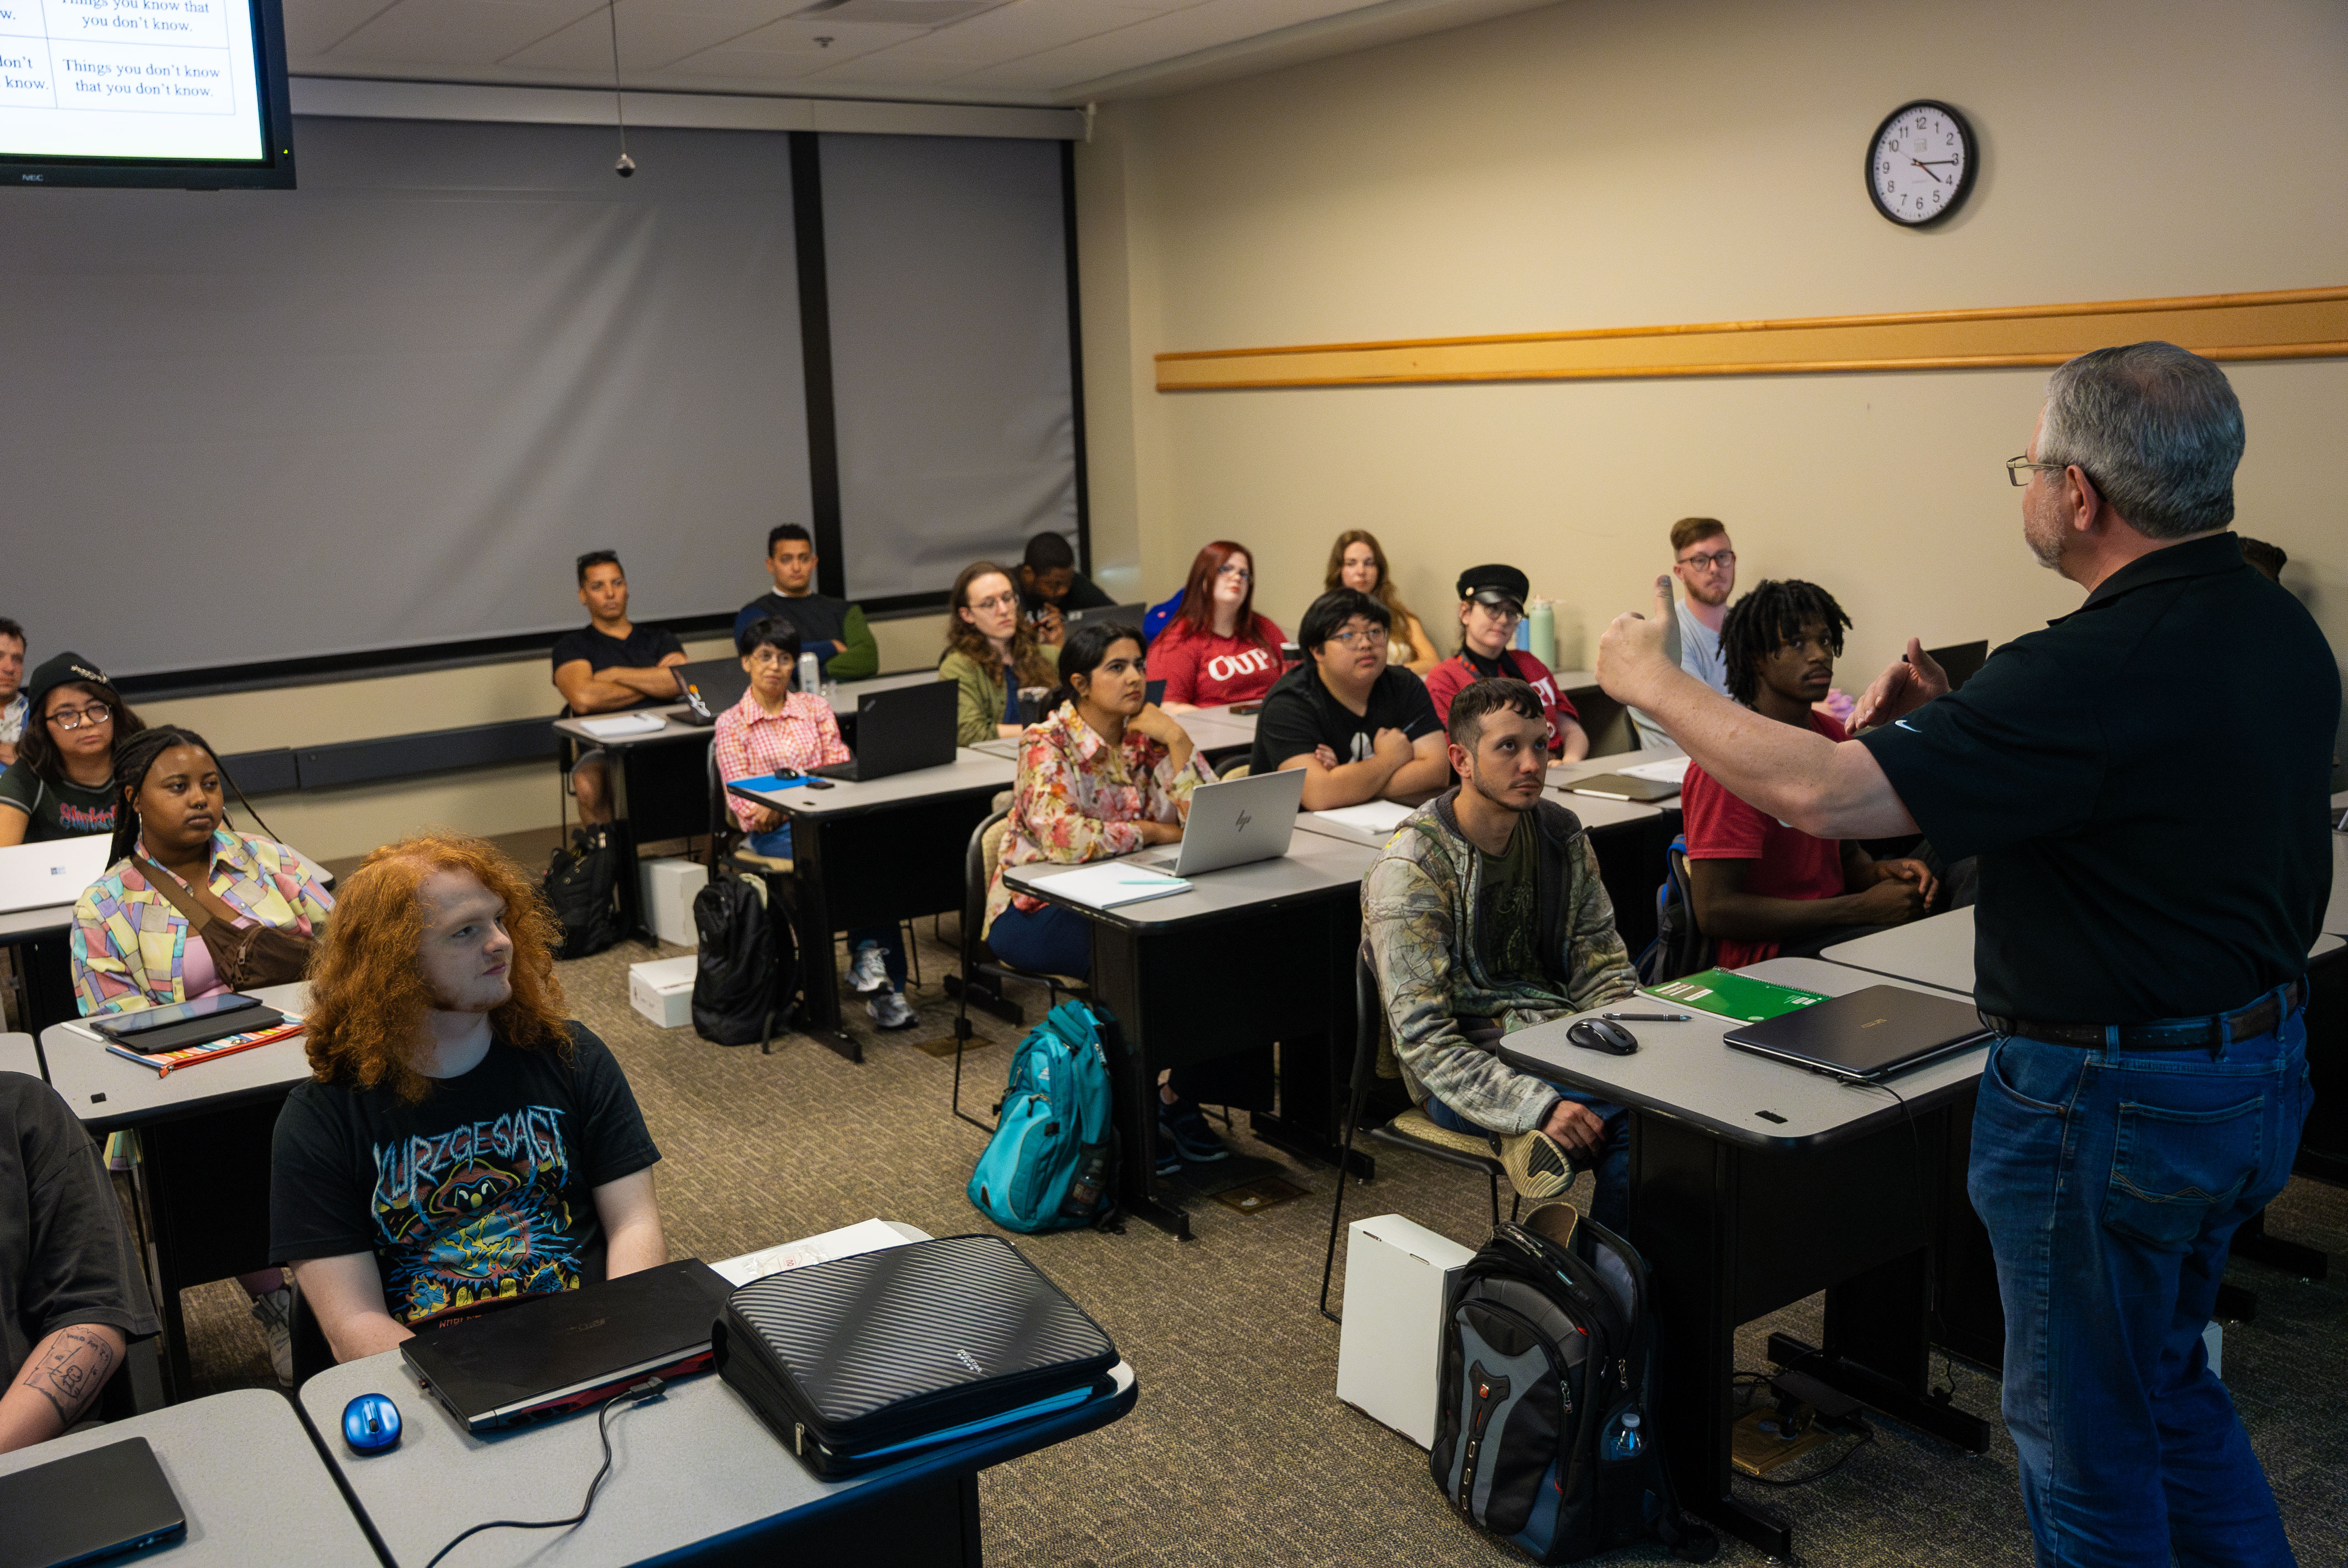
(1561, 775)
(1753, 1184)
(247, 1477)
(21, 1053)
(1249, 956)
(659, 790)
(1218, 729)
(205, 1135)
(873, 854)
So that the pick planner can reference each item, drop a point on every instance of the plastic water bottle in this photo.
(1525, 635)
(810, 673)
(1625, 1439)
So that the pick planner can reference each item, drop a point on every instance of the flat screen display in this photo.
(144, 92)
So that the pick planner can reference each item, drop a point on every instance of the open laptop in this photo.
(1960, 661)
(51, 873)
(87, 1507)
(1106, 615)
(719, 682)
(1865, 1036)
(899, 731)
(1236, 822)
(551, 1354)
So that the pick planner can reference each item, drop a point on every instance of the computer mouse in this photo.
(1602, 1034)
(371, 1425)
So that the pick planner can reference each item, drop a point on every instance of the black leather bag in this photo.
(745, 967)
(582, 887)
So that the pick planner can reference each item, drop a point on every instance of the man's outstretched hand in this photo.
(1908, 685)
(1631, 650)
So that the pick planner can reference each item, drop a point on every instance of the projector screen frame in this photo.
(273, 171)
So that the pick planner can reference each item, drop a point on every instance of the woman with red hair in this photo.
(460, 1143)
(1217, 649)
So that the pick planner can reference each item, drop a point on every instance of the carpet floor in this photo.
(1238, 1452)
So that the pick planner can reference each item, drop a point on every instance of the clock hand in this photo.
(1928, 173)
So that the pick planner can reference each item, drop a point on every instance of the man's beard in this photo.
(2045, 548)
(1505, 801)
(1707, 596)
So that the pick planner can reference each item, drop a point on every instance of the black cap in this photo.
(1495, 585)
(55, 671)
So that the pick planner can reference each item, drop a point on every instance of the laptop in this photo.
(1106, 615)
(899, 731)
(1961, 661)
(719, 684)
(1236, 822)
(550, 1354)
(1622, 786)
(87, 1506)
(51, 873)
(1865, 1036)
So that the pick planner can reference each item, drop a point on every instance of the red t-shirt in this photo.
(1786, 862)
(1455, 675)
(1207, 671)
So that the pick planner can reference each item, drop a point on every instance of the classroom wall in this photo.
(1628, 162)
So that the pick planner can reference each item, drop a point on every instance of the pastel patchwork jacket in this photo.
(1079, 798)
(1422, 917)
(130, 942)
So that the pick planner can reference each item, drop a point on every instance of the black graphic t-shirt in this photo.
(486, 1189)
(57, 810)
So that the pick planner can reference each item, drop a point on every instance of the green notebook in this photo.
(1739, 997)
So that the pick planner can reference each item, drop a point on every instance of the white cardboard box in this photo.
(662, 990)
(1390, 1350)
(667, 887)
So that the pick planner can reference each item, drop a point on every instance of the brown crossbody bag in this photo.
(244, 957)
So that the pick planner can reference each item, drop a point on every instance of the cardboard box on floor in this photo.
(1390, 1351)
(666, 887)
(662, 990)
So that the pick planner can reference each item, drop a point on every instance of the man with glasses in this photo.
(13, 705)
(1491, 605)
(1706, 563)
(608, 665)
(2141, 950)
(1360, 728)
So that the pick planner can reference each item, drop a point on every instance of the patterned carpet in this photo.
(1238, 1452)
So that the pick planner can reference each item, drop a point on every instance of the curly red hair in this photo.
(367, 996)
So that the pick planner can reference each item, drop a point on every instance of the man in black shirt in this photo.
(2140, 943)
(460, 1143)
(608, 665)
(1050, 585)
(1360, 728)
(832, 628)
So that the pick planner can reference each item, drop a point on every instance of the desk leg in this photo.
(1316, 1068)
(819, 964)
(1877, 1350)
(1117, 1001)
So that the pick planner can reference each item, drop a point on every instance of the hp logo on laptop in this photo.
(1243, 821)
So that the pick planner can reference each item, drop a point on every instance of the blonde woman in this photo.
(1357, 561)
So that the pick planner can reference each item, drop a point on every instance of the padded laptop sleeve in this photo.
(863, 1362)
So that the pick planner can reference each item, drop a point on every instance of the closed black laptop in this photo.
(720, 681)
(1622, 786)
(1865, 1035)
(551, 1354)
(900, 730)
(91, 1506)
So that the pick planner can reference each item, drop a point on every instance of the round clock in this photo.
(1920, 165)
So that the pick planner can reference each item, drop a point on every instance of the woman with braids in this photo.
(460, 1143)
(1762, 888)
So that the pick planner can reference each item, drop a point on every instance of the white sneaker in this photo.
(891, 1011)
(869, 972)
(274, 1310)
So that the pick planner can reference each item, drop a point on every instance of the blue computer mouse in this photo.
(371, 1425)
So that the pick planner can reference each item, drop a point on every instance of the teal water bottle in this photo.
(1544, 625)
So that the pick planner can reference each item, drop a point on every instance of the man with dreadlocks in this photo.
(1761, 887)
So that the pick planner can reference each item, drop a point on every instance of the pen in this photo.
(1647, 1016)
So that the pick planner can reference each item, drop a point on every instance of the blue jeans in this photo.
(1053, 940)
(2112, 1183)
(1609, 1201)
(775, 844)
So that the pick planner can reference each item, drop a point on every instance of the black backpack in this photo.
(1542, 1433)
(746, 969)
(582, 887)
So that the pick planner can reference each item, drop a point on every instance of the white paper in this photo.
(868, 1235)
(1112, 883)
(1371, 816)
(1671, 771)
(622, 724)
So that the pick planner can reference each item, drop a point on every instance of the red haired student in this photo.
(1217, 649)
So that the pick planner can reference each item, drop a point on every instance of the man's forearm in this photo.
(57, 1383)
(636, 1247)
(655, 681)
(1419, 779)
(1795, 774)
(1348, 785)
(1756, 917)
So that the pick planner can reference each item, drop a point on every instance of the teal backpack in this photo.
(1051, 1163)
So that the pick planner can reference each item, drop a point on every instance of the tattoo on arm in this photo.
(69, 1376)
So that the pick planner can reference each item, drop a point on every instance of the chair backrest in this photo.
(1680, 948)
(1238, 770)
(978, 862)
(1369, 1021)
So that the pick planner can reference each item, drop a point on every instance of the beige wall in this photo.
(1616, 162)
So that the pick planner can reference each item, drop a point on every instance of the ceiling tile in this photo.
(648, 40)
(458, 32)
(1155, 38)
(315, 27)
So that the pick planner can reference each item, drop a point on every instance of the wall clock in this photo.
(1919, 163)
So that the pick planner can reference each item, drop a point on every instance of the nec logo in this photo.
(1243, 821)
(967, 1359)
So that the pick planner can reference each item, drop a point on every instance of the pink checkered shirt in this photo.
(753, 743)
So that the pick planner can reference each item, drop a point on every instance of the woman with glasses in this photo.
(991, 653)
(1217, 649)
(1491, 603)
(62, 783)
(1357, 561)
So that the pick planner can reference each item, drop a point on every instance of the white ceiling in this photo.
(984, 51)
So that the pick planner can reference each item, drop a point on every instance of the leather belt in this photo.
(2183, 1034)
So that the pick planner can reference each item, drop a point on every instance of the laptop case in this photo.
(195, 1030)
(860, 1362)
(87, 1506)
(1867, 1034)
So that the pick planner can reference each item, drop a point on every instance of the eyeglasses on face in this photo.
(767, 654)
(1723, 559)
(74, 718)
(1506, 614)
(2019, 469)
(1234, 570)
(995, 602)
(1360, 636)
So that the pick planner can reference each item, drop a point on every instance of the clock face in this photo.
(1920, 166)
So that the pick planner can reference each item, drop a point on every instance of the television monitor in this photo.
(178, 93)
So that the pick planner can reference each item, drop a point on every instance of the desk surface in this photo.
(842, 697)
(81, 1067)
(1938, 950)
(17, 1055)
(1561, 776)
(247, 1478)
(969, 770)
(1314, 866)
(1214, 729)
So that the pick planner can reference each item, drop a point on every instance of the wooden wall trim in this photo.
(2293, 323)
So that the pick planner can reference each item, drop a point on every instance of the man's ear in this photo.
(1458, 755)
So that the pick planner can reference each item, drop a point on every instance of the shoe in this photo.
(1184, 1126)
(274, 1310)
(1537, 1163)
(870, 973)
(891, 1011)
(1170, 1160)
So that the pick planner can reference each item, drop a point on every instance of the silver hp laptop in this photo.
(1234, 824)
(52, 872)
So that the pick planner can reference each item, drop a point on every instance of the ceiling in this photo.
(956, 51)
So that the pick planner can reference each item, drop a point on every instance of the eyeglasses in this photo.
(997, 602)
(2018, 469)
(1364, 637)
(1241, 572)
(1506, 614)
(767, 654)
(1722, 558)
(74, 718)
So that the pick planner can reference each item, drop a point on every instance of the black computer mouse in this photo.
(1602, 1034)
(371, 1425)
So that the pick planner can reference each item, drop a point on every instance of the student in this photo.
(1762, 888)
(991, 653)
(608, 665)
(832, 628)
(1491, 603)
(12, 706)
(1356, 561)
(62, 782)
(1104, 774)
(72, 1295)
(458, 1142)
(1050, 585)
(1360, 728)
(1706, 563)
(774, 727)
(1484, 914)
(1216, 649)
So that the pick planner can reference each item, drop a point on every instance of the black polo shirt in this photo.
(2145, 782)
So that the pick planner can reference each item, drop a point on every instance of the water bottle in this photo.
(1624, 1439)
(1543, 621)
(810, 673)
(1525, 635)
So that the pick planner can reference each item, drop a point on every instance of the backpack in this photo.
(582, 887)
(1678, 948)
(1541, 1431)
(1051, 1163)
(746, 969)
